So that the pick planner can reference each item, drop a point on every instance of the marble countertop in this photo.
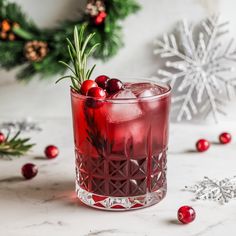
(47, 205)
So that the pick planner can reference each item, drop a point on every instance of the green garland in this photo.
(38, 51)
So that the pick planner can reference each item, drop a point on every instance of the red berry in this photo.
(100, 18)
(2, 138)
(102, 81)
(51, 151)
(186, 214)
(225, 138)
(202, 145)
(103, 14)
(86, 85)
(29, 170)
(97, 93)
(114, 86)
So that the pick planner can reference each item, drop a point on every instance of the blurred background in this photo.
(42, 98)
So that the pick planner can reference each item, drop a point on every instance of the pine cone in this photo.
(35, 51)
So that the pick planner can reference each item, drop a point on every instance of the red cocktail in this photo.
(120, 145)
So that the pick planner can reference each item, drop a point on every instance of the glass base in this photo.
(120, 203)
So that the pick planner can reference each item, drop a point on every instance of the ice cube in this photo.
(147, 93)
(150, 104)
(143, 90)
(121, 110)
(125, 93)
(134, 129)
(147, 90)
(127, 134)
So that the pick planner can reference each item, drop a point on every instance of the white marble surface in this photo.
(47, 204)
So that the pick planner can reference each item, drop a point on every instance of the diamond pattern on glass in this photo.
(82, 162)
(158, 176)
(138, 168)
(117, 178)
(157, 181)
(84, 180)
(98, 186)
(118, 187)
(158, 163)
(97, 166)
(138, 186)
(118, 169)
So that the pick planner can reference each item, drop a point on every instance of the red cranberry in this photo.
(186, 214)
(86, 85)
(114, 86)
(102, 81)
(2, 138)
(202, 145)
(51, 151)
(95, 94)
(29, 171)
(225, 138)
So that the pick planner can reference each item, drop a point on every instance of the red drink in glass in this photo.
(120, 146)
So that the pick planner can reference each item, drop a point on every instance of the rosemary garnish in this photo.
(95, 137)
(79, 54)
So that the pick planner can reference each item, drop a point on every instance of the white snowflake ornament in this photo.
(221, 191)
(25, 125)
(198, 69)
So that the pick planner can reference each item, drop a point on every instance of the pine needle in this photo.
(79, 52)
(15, 146)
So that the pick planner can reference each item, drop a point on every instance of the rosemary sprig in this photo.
(95, 138)
(79, 53)
(14, 146)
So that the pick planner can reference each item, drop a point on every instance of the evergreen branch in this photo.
(15, 146)
(120, 9)
(11, 54)
(14, 12)
(22, 33)
(108, 35)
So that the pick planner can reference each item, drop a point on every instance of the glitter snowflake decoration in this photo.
(221, 191)
(198, 67)
(26, 125)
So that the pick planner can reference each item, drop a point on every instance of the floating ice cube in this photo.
(143, 90)
(147, 90)
(128, 135)
(121, 110)
(147, 93)
(126, 94)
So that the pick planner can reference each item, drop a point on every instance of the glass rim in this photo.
(126, 100)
